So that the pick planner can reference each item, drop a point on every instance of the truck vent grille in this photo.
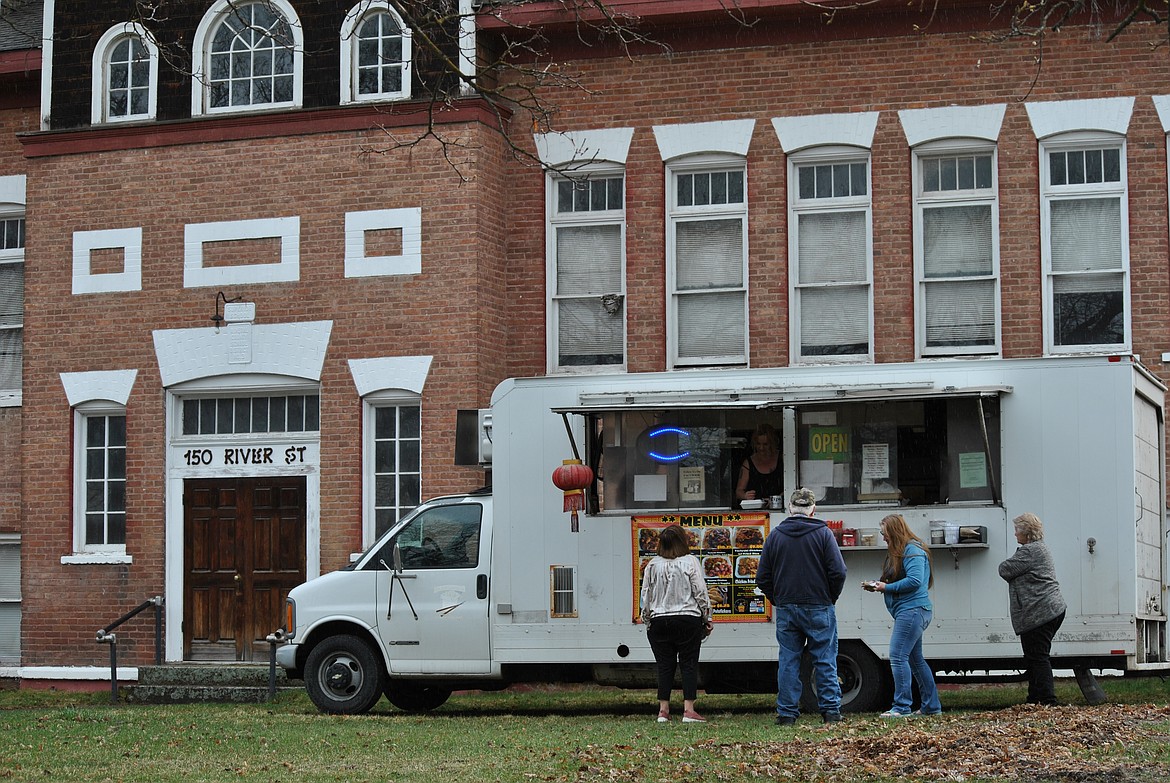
(563, 594)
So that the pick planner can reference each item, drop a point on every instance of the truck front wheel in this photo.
(415, 696)
(343, 676)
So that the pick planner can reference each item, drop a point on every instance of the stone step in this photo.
(186, 694)
(210, 674)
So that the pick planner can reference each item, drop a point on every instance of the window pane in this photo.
(296, 413)
(960, 313)
(225, 416)
(409, 421)
(1057, 168)
(410, 457)
(243, 409)
(588, 333)
(709, 254)
(1111, 164)
(1088, 309)
(117, 463)
(95, 431)
(711, 325)
(117, 430)
(276, 414)
(845, 332)
(686, 190)
(260, 414)
(384, 456)
(807, 177)
(385, 422)
(1086, 234)
(957, 241)
(832, 247)
(95, 463)
(207, 417)
(116, 525)
(312, 412)
(190, 417)
(409, 494)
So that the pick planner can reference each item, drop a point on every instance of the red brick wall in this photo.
(318, 178)
(832, 76)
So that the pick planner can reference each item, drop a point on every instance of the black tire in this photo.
(344, 676)
(866, 684)
(416, 696)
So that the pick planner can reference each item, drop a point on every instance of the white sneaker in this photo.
(895, 714)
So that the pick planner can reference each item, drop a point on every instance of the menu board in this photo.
(727, 544)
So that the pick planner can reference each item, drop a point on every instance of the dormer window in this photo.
(125, 75)
(375, 54)
(251, 57)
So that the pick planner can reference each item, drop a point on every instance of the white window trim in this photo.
(468, 46)
(552, 221)
(1078, 141)
(685, 166)
(287, 269)
(128, 240)
(408, 262)
(84, 553)
(12, 204)
(349, 62)
(726, 137)
(385, 398)
(1162, 105)
(825, 154)
(935, 149)
(201, 52)
(569, 150)
(99, 99)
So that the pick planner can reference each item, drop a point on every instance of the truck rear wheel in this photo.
(866, 685)
(416, 697)
(343, 676)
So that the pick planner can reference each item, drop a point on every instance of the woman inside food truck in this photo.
(760, 475)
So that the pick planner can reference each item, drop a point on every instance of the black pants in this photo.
(1037, 644)
(676, 639)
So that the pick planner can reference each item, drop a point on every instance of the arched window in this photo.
(251, 56)
(375, 54)
(125, 75)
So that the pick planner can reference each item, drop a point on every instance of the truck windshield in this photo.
(444, 536)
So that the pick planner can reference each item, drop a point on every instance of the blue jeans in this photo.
(906, 661)
(799, 626)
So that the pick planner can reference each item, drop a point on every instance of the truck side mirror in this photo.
(396, 556)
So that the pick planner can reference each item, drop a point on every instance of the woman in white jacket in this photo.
(677, 613)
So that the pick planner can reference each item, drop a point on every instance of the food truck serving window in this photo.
(898, 451)
(908, 452)
(670, 459)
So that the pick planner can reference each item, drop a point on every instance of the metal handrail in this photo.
(106, 636)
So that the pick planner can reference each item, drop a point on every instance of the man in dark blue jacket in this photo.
(802, 573)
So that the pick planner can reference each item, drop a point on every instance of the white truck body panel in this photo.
(1081, 446)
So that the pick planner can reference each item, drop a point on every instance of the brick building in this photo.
(250, 316)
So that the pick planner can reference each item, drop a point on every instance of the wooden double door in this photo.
(244, 550)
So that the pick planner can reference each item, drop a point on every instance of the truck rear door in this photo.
(434, 612)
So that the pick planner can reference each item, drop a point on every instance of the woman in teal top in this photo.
(905, 579)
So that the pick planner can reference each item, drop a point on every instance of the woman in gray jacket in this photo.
(1037, 607)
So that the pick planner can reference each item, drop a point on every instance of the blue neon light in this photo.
(659, 457)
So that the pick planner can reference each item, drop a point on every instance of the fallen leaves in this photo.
(1024, 743)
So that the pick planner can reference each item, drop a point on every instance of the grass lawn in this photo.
(587, 734)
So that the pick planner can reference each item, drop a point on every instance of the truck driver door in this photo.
(433, 614)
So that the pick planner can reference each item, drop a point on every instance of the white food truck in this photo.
(494, 587)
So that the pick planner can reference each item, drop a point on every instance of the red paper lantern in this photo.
(572, 478)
